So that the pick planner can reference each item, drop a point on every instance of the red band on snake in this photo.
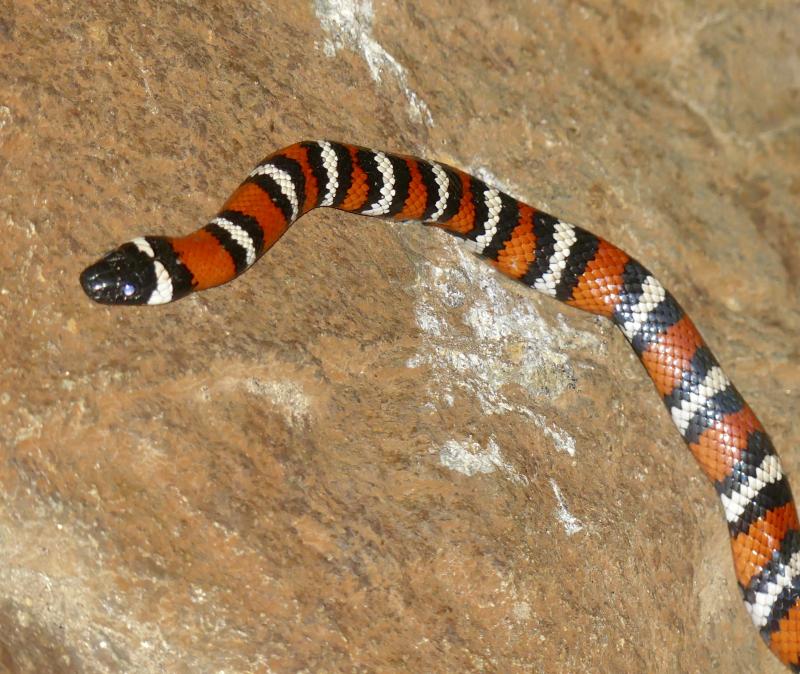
(545, 253)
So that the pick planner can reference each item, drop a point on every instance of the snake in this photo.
(544, 252)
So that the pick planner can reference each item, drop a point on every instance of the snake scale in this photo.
(558, 259)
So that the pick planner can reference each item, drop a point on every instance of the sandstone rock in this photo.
(372, 453)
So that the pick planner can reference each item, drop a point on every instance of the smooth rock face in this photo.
(372, 453)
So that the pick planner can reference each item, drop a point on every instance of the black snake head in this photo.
(143, 271)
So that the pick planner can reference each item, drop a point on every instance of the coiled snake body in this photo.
(548, 254)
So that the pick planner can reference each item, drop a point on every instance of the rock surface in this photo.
(371, 453)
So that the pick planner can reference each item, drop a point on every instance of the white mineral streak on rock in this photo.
(287, 396)
(469, 458)
(562, 440)
(505, 342)
(572, 525)
(348, 23)
(6, 117)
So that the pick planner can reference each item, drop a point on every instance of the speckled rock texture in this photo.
(371, 453)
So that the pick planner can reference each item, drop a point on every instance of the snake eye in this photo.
(128, 289)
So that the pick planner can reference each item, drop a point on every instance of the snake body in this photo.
(556, 258)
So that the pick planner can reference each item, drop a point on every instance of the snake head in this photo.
(143, 271)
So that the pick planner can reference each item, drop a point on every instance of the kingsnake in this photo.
(548, 254)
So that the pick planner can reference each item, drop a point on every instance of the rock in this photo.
(372, 453)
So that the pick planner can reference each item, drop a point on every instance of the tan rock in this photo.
(371, 453)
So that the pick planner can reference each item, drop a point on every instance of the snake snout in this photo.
(120, 277)
(94, 283)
